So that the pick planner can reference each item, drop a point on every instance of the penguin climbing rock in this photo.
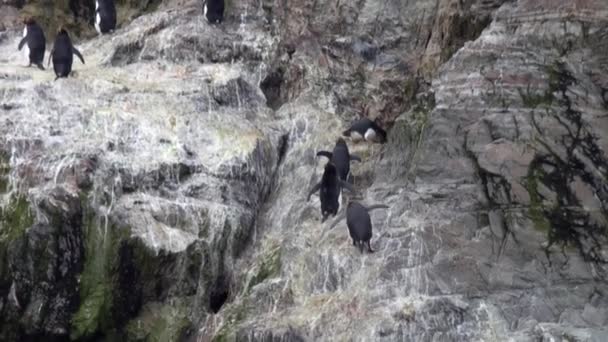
(329, 189)
(359, 223)
(341, 158)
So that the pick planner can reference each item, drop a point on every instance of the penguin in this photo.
(33, 42)
(213, 10)
(105, 16)
(365, 129)
(341, 158)
(359, 223)
(329, 189)
(62, 54)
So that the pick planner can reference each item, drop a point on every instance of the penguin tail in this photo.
(346, 133)
(39, 65)
(360, 243)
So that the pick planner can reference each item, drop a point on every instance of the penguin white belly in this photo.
(26, 47)
(370, 134)
(205, 11)
(97, 23)
(355, 136)
(26, 52)
(96, 5)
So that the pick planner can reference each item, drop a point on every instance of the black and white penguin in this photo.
(213, 10)
(359, 223)
(340, 157)
(33, 43)
(329, 189)
(62, 54)
(365, 129)
(105, 16)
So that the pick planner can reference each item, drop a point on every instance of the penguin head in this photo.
(62, 31)
(29, 20)
(330, 168)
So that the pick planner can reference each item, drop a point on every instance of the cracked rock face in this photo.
(160, 192)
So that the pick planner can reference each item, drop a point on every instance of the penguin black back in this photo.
(340, 157)
(359, 224)
(35, 42)
(213, 10)
(62, 54)
(329, 190)
(105, 16)
(365, 129)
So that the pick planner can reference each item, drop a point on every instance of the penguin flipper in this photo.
(355, 158)
(313, 190)
(325, 154)
(22, 42)
(77, 53)
(347, 186)
(377, 206)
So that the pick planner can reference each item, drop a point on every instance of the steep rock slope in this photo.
(160, 193)
(130, 187)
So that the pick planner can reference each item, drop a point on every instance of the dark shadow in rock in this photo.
(272, 88)
(236, 93)
(126, 54)
(218, 294)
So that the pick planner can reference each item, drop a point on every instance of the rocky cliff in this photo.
(159, 194)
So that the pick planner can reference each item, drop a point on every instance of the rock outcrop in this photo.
(160, 192)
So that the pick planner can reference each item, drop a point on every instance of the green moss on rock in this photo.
(15, 218)
(4, 172)
(535, 211)
(160, 322)
(233, 315)
(97, 279)
(269, 266)
(532, 100)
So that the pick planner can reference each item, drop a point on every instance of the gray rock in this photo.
(160, 192)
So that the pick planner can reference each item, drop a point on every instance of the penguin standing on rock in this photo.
(105, 16)
(62, 54)
(213, 10)
(34, 43)
(365, 129)
(359, 223)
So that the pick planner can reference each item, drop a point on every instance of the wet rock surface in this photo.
(160, 192)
